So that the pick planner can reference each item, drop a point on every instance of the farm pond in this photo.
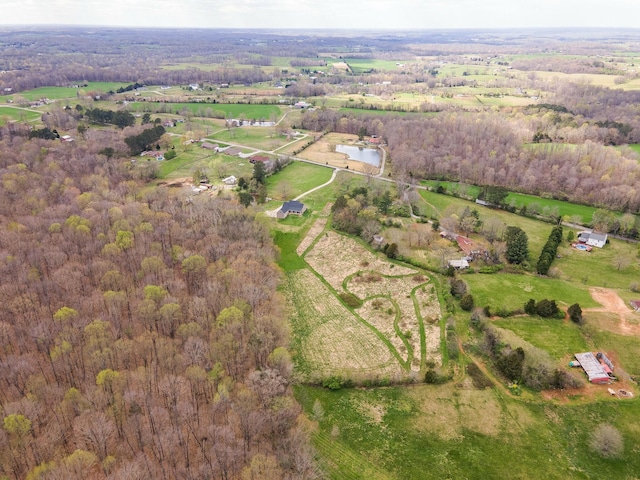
(361, 154)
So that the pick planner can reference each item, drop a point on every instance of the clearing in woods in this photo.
(392, 335)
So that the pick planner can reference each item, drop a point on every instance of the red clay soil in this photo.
(612, 303)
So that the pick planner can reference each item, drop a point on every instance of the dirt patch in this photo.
(613, 304)
(323, 151)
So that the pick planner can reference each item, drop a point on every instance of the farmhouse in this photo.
(234, 151)
(598, 367)
(258, 158)
(292, 207)
(635, 304)
(210, 146)
(593, 239)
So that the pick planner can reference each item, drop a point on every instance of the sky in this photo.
(322, 14)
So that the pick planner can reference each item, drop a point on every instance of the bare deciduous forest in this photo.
(141, 335)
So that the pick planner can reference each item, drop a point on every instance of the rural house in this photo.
(635, 304)
(210, 146)
(593, 239)
(258, 158)
(292, 207)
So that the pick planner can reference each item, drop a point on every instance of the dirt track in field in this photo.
(612, 303)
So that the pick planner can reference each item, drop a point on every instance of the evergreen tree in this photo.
(517, 245)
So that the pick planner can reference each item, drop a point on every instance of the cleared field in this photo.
(467, 433)
(564, 209)
(296, 178)
(57, 93)
(513, 291)
(328, 339)
(262, 138)
(18, 114)
(336, 257)
(615, 266)
(560, 339)
(235, 110)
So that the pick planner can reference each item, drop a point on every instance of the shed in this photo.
(596, 372)
(635, 304)
(232, 180)
(459, 264)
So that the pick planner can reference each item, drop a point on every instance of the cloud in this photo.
(357, 14)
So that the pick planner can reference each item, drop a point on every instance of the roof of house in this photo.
(210, 146)
(635, 304)
(462, 263)
(594, 369)
(592, 236)
(292, 206)
(232, 151)
(260, 158)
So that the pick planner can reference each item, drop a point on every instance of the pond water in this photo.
(361, 154)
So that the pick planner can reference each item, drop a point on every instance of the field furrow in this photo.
(335, 257)
(329, 339)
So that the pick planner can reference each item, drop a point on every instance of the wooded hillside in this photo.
(141, 335)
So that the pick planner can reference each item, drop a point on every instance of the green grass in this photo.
(565, 209)
(289, 259)
(599, 267)
(438, 204)
(262, 138)
(296, 178)
(235, 110)
(511, 291)
(635, 147)
(429, 432)
(58, 93)
(18, 114)
(557, 337)
(360, 65)
(625, 347)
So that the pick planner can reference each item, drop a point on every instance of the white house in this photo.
(459, 264)
(594, 239)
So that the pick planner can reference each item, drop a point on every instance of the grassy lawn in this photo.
(262, 138)
(256, 112)
(635, 147)
(57, 93)
(295, 179)
(565, 209)
(10, 113)
(600, 266)
(512, 291)
(538, 232)
(559, 338)
(435, 432)
(623, 348)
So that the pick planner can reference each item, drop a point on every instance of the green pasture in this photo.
(234, 110)
(625, 347)
(296, 178)
(261, 138)
(615, 266)
(565, 209)
(57, 93)
(559, 338)
(435, 432)
(436, 205)
(17, 114)
(635, 147)
(360, 65)
(512, 291)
